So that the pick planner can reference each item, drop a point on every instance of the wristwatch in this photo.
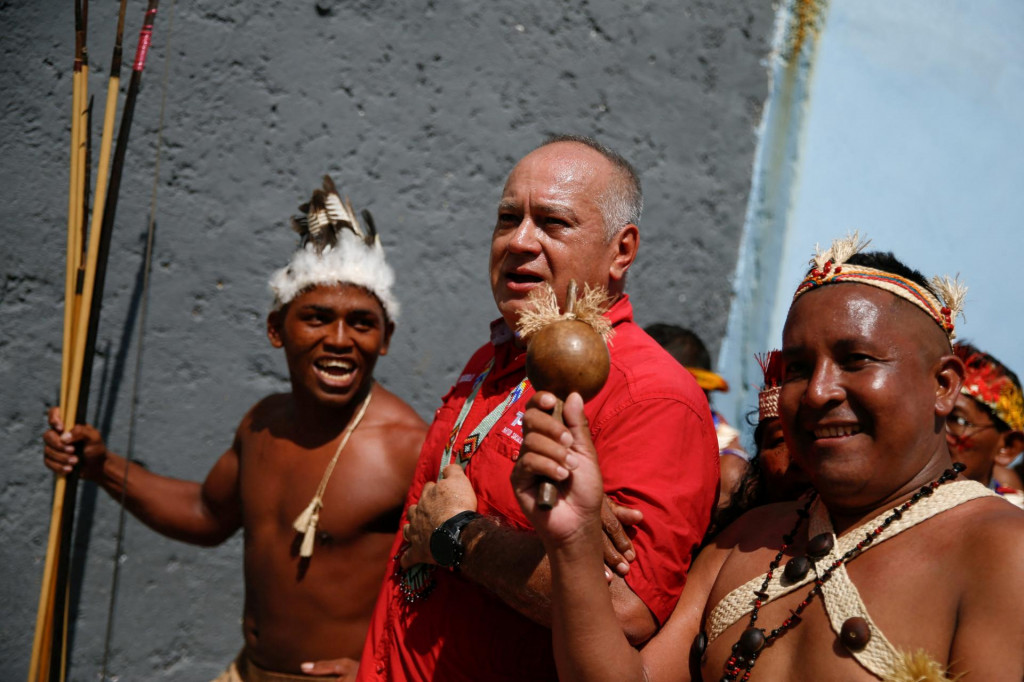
(445, 544)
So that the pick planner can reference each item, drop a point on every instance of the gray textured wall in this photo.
(418, 111)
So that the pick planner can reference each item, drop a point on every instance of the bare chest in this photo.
(279, 480)
(908, 591)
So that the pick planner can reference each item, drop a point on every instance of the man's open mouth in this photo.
(335, 370)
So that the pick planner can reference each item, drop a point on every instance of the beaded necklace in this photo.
(855, 631)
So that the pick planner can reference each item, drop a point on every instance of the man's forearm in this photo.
(588, 639)
(511, 564)
(171, 507)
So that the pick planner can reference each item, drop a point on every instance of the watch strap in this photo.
(452, 528)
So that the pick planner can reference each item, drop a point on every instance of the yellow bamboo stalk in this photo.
(81, 177)
(39, 666)
(81, 330)
(81, 286)
(74, 248)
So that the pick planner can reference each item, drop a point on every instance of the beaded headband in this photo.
(987, 383)
(830, 267)
(335, 248)
(768, 397)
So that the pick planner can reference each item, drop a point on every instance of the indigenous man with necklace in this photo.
(895, 568)
(467, 598)
(336, 454)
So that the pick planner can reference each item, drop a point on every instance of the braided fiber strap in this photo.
(740, 601)
(842, 601)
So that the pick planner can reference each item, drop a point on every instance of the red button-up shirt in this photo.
(656, 443)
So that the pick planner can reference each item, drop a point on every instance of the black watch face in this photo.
(443, 547)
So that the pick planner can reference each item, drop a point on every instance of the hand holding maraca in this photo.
(566, 352)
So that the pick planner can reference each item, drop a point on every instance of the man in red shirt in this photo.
(467, 595)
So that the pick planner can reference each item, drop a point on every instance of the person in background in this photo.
(986, 427)
(690, 352)
(773, 476)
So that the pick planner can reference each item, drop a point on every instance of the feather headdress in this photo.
(943, 300)
(335, 248)
(990, 383)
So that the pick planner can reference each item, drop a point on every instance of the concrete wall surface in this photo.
(418, 110)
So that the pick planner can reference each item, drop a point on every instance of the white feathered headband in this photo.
(334, 248)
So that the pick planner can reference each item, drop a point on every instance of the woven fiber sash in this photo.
(740, 601)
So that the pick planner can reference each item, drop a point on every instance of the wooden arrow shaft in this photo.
(82, 313)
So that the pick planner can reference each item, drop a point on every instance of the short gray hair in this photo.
(623, 202)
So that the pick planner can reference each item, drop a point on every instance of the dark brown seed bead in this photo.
(820, 545)
(700, 644)
(855, 634)
(796, 568)
(751, 641)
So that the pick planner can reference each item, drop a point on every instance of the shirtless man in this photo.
(307, 604)
(869, 380)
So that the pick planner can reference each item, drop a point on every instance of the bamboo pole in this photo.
(47, 663)
(39, 665)
(86, 328)
(74, 204)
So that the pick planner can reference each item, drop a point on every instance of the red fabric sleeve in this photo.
(672, 479)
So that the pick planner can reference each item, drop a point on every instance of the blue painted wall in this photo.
(911, 133)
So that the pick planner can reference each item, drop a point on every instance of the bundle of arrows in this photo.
(87, 251)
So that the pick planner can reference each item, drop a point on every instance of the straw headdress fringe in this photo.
(307, 521)
(544, 309)
(943, 297)
(840, 251)
(952, 291)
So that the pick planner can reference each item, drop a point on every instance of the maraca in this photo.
(566, 353)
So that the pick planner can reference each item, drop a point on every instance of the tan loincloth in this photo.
(244, 670)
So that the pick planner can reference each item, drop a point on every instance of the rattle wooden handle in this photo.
(547, 493)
